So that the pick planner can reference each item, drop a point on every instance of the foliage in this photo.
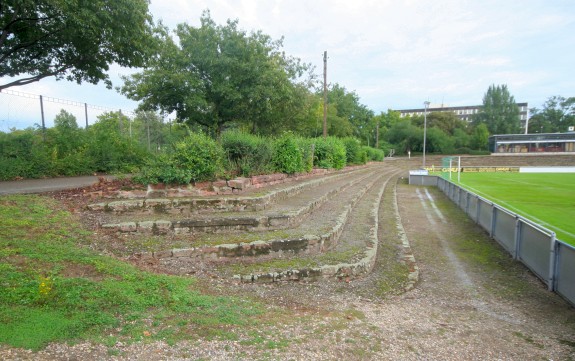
(373, 154)
(217, 75)
(329, 153)
(110, 147)
(73, 40)
(355, 116)
(406, 136)
(161, 169)
(557, 115)
(56, 290)
(480, 137)
(246, 154)
(499, 111)
(306, 147)
(288, 157)
(461, 139)
(439, 142)
(23, 154)
(354, 153)
(194, 159)
(386, 147)
(448, 122)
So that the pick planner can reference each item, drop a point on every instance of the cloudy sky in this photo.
(393, 53)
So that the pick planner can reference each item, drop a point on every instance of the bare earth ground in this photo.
(472, 302)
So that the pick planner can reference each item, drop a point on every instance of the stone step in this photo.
(253, 201)
(350, 253)
(306, 240)
(353, 255)
(289, 214)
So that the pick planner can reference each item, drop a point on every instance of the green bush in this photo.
(329, 153)
(386, 147)
(354, 153)
(200, 157)
(247, 154)
(194, 159)
(24, 154)
(161, 169)
(374, 154)
(306, 146)
(110, 149)
(287, 156)
(74, 164)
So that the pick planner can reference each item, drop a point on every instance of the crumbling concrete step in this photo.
(353, 255)
(287, 214)
(199, 204)
(308, 239)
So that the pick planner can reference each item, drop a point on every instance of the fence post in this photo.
(86, 113)
(478, 212)
(518, 235)
(493, 220)
(552, 262)
(43, 122)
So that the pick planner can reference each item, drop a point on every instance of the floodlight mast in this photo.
(426, 105)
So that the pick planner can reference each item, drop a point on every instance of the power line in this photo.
(64, 101)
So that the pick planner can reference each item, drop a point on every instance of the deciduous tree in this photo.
(216, 75)
(500, 112)
(557, 115)
(75, 40)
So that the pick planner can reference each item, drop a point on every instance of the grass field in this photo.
(545, 198)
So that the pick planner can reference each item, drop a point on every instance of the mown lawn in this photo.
(53, 288)
(545, 198)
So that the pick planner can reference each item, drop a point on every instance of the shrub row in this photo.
(200, 158)
(25, 154)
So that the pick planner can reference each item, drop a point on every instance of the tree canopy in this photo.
(557, 114)
(75, 40)
(218, 74)
(499, 112)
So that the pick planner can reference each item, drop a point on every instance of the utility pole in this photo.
(325, 94)
(426, 105)
(377, 134)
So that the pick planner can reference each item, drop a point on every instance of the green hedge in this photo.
(194, 159)
(104, 148)
(354, 152)
(329, 153)
(288, 156)
(373, 154)
(247, 154)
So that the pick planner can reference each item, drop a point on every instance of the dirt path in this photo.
(472, 301)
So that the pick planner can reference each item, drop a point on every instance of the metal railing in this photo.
(550, 259)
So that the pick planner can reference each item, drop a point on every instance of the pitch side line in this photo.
(518, 211)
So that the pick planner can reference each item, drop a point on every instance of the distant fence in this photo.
(552, 260)
(21, 110)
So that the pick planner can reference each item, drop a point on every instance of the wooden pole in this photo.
(377, 134)
(325, 94)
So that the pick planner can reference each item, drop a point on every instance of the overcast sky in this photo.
(393, 53)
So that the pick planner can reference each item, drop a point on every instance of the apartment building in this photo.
(463, 112)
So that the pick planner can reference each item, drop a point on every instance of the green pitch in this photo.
(545, 198)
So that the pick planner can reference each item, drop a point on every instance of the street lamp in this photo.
(426, 104)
